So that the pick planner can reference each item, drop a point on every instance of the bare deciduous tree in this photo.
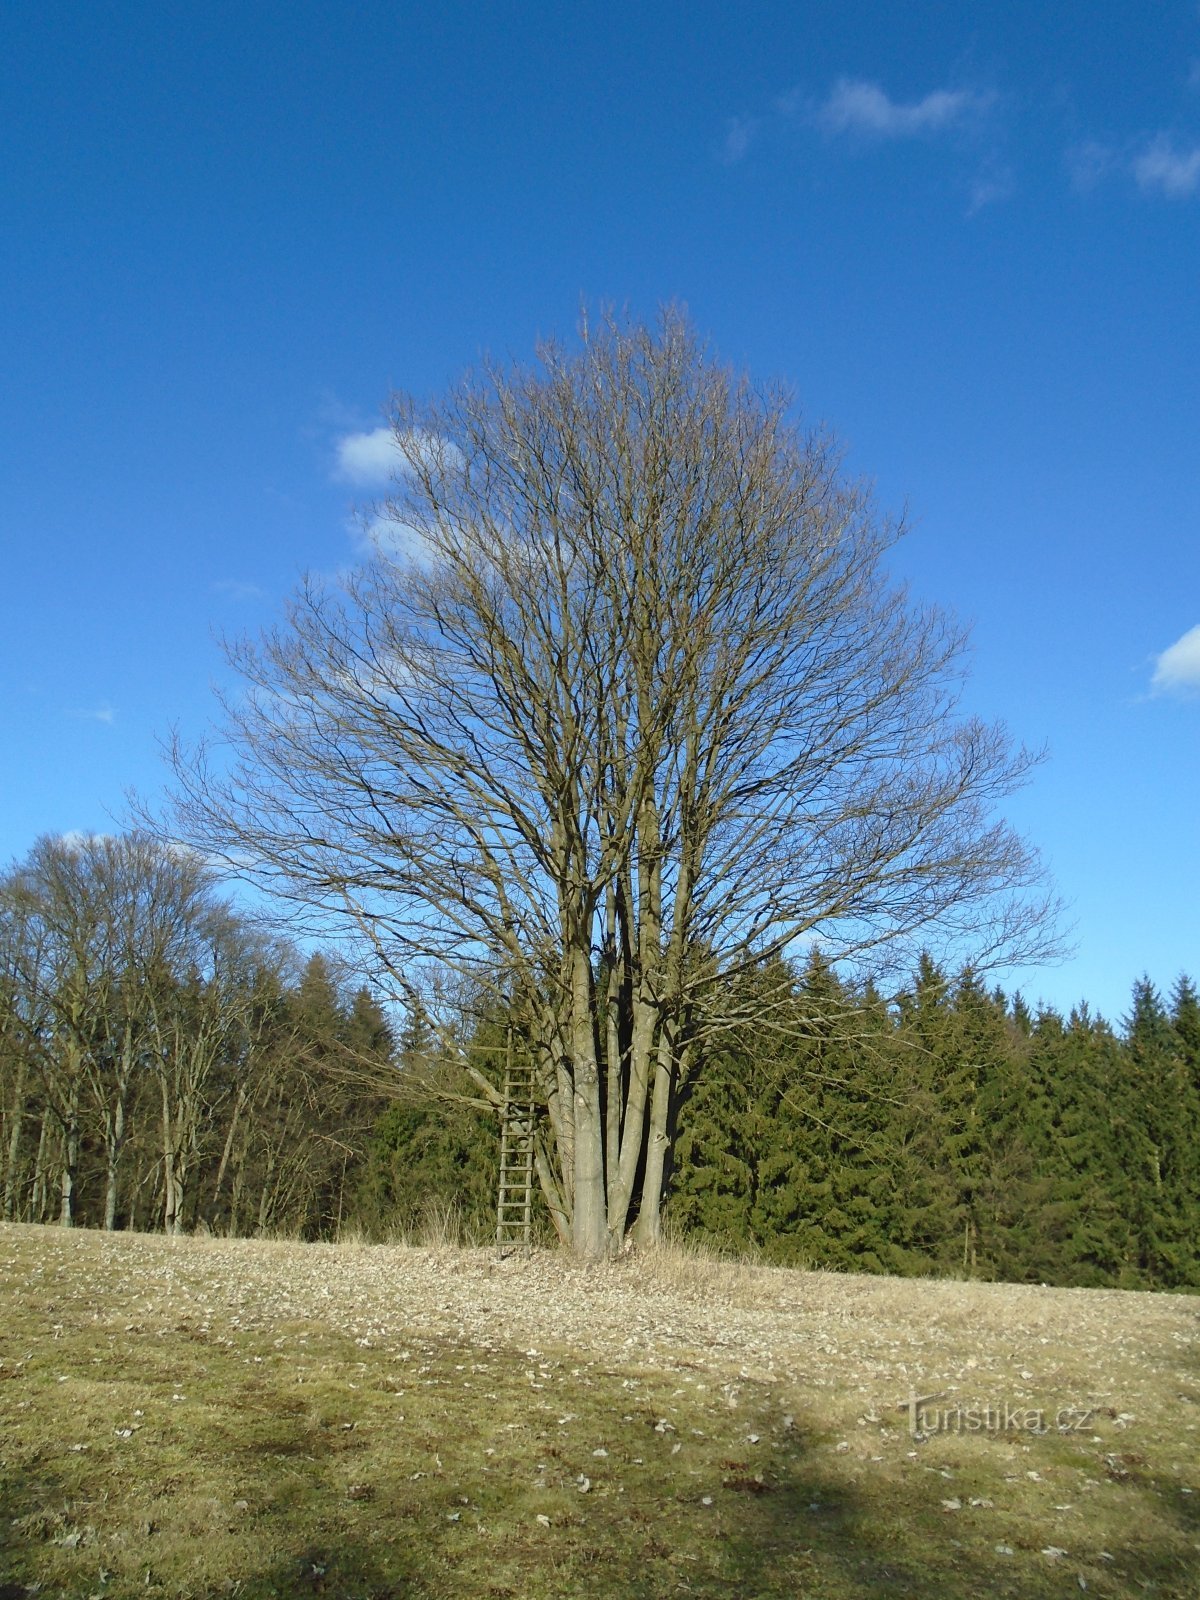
(121, 964)
(625, 705)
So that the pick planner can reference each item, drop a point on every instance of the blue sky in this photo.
(968, 235)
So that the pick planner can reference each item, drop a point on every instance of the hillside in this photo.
(195, 1417)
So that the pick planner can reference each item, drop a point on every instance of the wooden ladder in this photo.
(518, 1130)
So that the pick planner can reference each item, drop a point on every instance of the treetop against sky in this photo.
(968, 239)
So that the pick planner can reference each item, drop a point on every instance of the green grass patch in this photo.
(153, 1444)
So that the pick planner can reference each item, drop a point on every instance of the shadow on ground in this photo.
(808, 1535)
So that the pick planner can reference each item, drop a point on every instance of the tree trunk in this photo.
(648, 1228)
(588, 1217)
(552, 1193)
(622, 1180)
(237, 1189)
(113, 1110)
(169, 1142)
(70, 1166)
(39, 1186)
(240, 1099)
(264, 1196)
(13, 1153)
(114, 1144)
(616, 1021)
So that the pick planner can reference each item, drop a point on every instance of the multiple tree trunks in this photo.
(161, 1063)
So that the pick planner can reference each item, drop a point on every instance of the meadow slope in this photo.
(196, 1417)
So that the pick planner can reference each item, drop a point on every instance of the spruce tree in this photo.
(1078, 1227)
(718, 1149)
(1161, 1162)
(928, 1217)
(803, 1207)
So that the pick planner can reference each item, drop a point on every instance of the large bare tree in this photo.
(624, 706)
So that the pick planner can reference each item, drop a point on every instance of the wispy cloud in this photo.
(1171, 171)
(989, 189)
(1089, 163)
(1177, 669)
(1157, 165)
(368, 460)
(857, 107)
(376, 460)
(860, 113)
(77, 839)
(101, 713)
(388, 537)
(234, 589)
(739, 136)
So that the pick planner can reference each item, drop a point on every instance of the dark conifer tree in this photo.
(718, 1149)
(807, 1151)
(1077, 1228)
(1185, 1020)
(928, 1221)
(1162, 1111)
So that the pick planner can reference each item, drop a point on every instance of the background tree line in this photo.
(165, 1063)
(945, 1131)
(952, 1132)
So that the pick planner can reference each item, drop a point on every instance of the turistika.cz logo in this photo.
(997, 1418)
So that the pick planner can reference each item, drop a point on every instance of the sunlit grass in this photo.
(157, 1440)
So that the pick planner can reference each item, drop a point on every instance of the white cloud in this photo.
(1161, 166)
(368, 460)
(739, 135)
(1177, 669)
(375, 460)
(989, 188)
(75, 839)
(101, 713)
(855, 106)
(235, 589)
(389, 537)
(1088, 163)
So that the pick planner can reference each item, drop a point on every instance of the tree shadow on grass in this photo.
(796, 1525)
(757, 1545)
(36, 1511)
(799, 1531)
(804, 1533)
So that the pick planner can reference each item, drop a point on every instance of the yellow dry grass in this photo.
(196, 1417)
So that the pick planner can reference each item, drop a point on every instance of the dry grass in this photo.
(201, 1417)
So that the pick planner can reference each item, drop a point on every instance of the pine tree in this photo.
(433, 1166)
(367, 1032)
(1185, 1023)
(718, 1150)
(848, 1065)
(1077, 1228)
(1161, 1162)
(995, 1164)
(929, 1221)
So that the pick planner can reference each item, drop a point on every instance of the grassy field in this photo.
(195, 1417)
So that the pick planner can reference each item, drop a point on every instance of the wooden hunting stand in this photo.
(518, 1127)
